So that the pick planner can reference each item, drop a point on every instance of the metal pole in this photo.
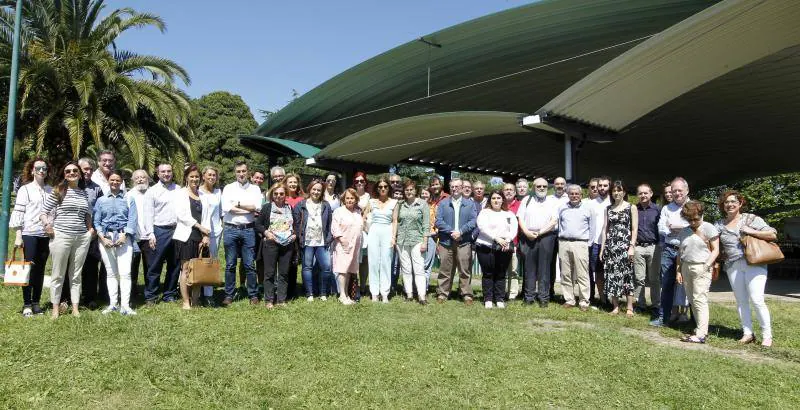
(568, 158)
(9, 157)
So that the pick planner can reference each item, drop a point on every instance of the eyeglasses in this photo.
(383, 186)
(41, 168)
(541, 186)
(279, 194)
(360, 181)
(395, 182)
(72, 171)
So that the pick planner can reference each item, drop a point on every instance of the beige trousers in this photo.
(697, 282)
(574, 258)
(451, 259)
(68, 254)
(647, 272)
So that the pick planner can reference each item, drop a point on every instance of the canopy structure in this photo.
(640, 90)
(277, 147)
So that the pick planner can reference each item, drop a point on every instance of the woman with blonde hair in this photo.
(346, 228)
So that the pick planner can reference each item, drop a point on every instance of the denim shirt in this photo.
(112, 214)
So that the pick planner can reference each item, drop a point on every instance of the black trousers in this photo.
(494, 264)
(93, 277)
(277, 264)
(36, 249)
(137, 259)
(538, 260)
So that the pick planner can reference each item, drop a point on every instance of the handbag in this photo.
(714, 266)
(203, 271)
(18, 273)
(760, 252)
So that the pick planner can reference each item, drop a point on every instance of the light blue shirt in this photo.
(112, 214)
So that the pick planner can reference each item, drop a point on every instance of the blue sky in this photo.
(262, 49)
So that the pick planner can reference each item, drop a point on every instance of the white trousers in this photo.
(118, 268)
(412, 264)
(748, 282)
(213, 247)
(68, 253)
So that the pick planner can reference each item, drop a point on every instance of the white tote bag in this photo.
(18, 272)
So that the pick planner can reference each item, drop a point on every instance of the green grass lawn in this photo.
(400, 355)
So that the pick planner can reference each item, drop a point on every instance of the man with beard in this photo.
(537, 221)
(160, 222)
(135, 198)
(599, 205)
(559, 195)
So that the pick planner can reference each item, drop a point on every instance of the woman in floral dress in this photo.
(619, 241)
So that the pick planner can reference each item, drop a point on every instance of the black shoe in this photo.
(92, 305)
(542, 304)
(170, 299)
(37, 310)
(150, 303)
(528, 302)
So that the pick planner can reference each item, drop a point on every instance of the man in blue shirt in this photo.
(455, 220)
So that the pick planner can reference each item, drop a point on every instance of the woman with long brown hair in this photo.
(31, 236)
(294, 192)
(71, 233)
(190, 234)
(378, 221)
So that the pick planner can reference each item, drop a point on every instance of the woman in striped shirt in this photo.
(71, 234)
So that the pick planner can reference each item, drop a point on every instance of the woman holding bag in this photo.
(747, 281)
(31, 236)
(211, 196)
(497, 229)
(190, 233)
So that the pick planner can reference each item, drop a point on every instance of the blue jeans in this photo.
(595, 270)
(430, 256)
(240, 243)
(164, 251)
(668, 255)
(323, 258)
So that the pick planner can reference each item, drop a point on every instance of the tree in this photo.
(218, 119)
(77, 90)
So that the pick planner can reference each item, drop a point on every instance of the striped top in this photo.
(70, 215)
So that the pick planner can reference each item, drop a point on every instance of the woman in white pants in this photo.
(71, 233)
(747, 281)
(116, 223)
(211, 197)
(410, 231)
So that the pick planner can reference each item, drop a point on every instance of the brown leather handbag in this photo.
(204, 271)
(760, 252)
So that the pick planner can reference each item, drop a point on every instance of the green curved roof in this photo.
(512, 61)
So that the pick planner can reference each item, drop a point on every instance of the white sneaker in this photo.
(487, 305)
(501, 305)
(110, 309)
(126, 311)
(27, 312)
(310, 299)
(323, 298)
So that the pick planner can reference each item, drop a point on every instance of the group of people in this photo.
(358, 243)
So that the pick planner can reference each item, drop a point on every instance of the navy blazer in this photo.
(300, 215)
(445, 217)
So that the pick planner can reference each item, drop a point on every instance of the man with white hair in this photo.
(670, 225)
(574, 233)
(135, 198)
(537, 216)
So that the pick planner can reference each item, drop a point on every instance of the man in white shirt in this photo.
(159, 226)
(670, 225)
(559, 192)
(240, 202)
(537, 221)
(135, 198)
(106, 163)
(599, 205)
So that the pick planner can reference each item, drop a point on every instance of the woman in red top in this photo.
(294, 192)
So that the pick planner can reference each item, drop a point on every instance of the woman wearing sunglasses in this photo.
(378, 218)
(71, 233)
(31, 236)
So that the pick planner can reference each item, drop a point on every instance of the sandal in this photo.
(693, 339)
(629, 313)
(614, 312)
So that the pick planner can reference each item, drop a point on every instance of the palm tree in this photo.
(78, 90)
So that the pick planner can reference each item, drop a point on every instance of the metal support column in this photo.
(9, 154)
(569, 159)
